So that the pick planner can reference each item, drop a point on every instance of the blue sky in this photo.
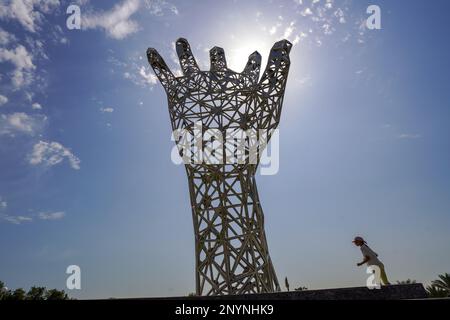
(85, 171)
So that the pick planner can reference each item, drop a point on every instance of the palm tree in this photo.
(443, 282)
(435, 292)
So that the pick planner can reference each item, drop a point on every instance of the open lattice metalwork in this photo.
(232, 256)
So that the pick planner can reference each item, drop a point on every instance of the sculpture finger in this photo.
(278, 64)
(187, 60)
(161, 69)
(253, 66)
(217, 58)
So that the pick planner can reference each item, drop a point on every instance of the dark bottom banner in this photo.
(221, 309)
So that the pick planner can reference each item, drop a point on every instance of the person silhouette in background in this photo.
(371, 258)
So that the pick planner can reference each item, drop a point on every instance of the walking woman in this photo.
(371, 258)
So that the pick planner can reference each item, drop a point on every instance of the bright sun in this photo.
(238, 49)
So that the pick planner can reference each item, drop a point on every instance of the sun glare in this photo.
(238, 50)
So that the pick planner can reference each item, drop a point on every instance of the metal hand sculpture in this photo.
(230, 243)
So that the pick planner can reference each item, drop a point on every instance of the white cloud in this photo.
(288, 31)
(327, 29)
(16, 219)
(3, 204)
(23, 62)
(22, 11)
(42, 216)
(340, 15)
(36, 106)
(20, 122)
(47, 5)
(174, 10)
(306, 12)
(409, 136)
(57, 36)
(305, 81)
(157, 7)
(116, 22)
(135, 70)
(108, 110)
(273, 30)
(3, 100)
(148, 77)
(52, 215)
(29, 13)
(52, 153)
(6, 37)
(29, 96)
(19, 57)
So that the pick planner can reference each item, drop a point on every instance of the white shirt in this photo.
(366, 251)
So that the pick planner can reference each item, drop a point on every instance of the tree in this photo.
(4, 292)
(301, 288)
(18, 294)
(435, 292)
(443, 282)
(36, 293)
(408, 281)
(54, 294)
